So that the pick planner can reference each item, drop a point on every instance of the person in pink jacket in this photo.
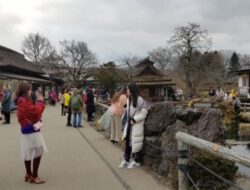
(118, 102)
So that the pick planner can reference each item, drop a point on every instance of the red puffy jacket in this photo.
(28, 112)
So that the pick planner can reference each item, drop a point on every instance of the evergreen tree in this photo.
(109, 76)
(234, 62)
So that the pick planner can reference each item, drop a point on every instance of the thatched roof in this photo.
(243, 70)
(146, 67)
(23, 77)
(12, 61)
(144, 62)
(147, 74)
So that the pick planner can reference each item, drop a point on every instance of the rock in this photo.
(169, 148)
(188, 115)
(160, 116)
(152, 152)
(209, 127)
(245, 117)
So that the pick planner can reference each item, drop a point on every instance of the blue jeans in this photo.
(77, 119)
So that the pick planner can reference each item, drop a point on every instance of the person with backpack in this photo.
(76, 108)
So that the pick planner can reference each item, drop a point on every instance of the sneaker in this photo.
(134, 164)
(123, 164)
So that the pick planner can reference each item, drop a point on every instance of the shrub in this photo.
(225, 168)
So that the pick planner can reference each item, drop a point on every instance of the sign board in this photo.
(202, 105)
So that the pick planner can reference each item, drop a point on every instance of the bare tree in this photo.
(162, 57)
(129, 61)
(188, 41)
(245, 60)
(37, 48)
(77, 57)
(213, 68)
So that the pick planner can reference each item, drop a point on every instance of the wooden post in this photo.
(182, 164)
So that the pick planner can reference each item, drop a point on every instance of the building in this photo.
(14, 66)
(153, 84)
(244, 81)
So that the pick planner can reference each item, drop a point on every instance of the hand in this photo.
(132, 121)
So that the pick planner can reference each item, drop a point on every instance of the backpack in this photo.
(75, 103)
(85, 98)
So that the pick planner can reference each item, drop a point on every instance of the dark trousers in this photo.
(62, 109)
(52, 102)
(6, 116)
(128, 150)
(69, 115)
(127, 153)
(90, 115)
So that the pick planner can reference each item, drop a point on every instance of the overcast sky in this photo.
(113, 28)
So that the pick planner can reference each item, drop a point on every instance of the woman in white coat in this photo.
(133, 133)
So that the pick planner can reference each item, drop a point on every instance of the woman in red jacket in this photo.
(32, 142)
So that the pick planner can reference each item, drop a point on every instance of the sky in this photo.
(114, 28)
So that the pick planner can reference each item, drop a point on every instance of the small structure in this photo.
(244, 81)
(152, 83)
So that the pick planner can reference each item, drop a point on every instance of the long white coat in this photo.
(137, 135)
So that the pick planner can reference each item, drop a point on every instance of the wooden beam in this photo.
(215, 149)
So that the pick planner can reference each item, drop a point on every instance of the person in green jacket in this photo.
(76, 104)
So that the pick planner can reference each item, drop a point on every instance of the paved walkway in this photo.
(78, 159)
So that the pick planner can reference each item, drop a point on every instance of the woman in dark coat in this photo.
(6, 103)
(90, 104)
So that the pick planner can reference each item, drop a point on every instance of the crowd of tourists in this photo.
(226, 96)
(220, 93)
(126, 117)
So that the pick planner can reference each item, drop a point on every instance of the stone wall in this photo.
(164, 120)
(161, 125)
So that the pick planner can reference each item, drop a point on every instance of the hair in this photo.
(118, 94)
(134, 93)
(22, 90)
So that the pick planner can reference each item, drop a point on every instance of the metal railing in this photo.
(245, 107)
(243, 91)
(185, 139)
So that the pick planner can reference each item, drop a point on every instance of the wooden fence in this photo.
(185, 139)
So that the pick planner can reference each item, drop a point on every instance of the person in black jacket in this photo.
(6, 104)
(90, 104)
(211, 92)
